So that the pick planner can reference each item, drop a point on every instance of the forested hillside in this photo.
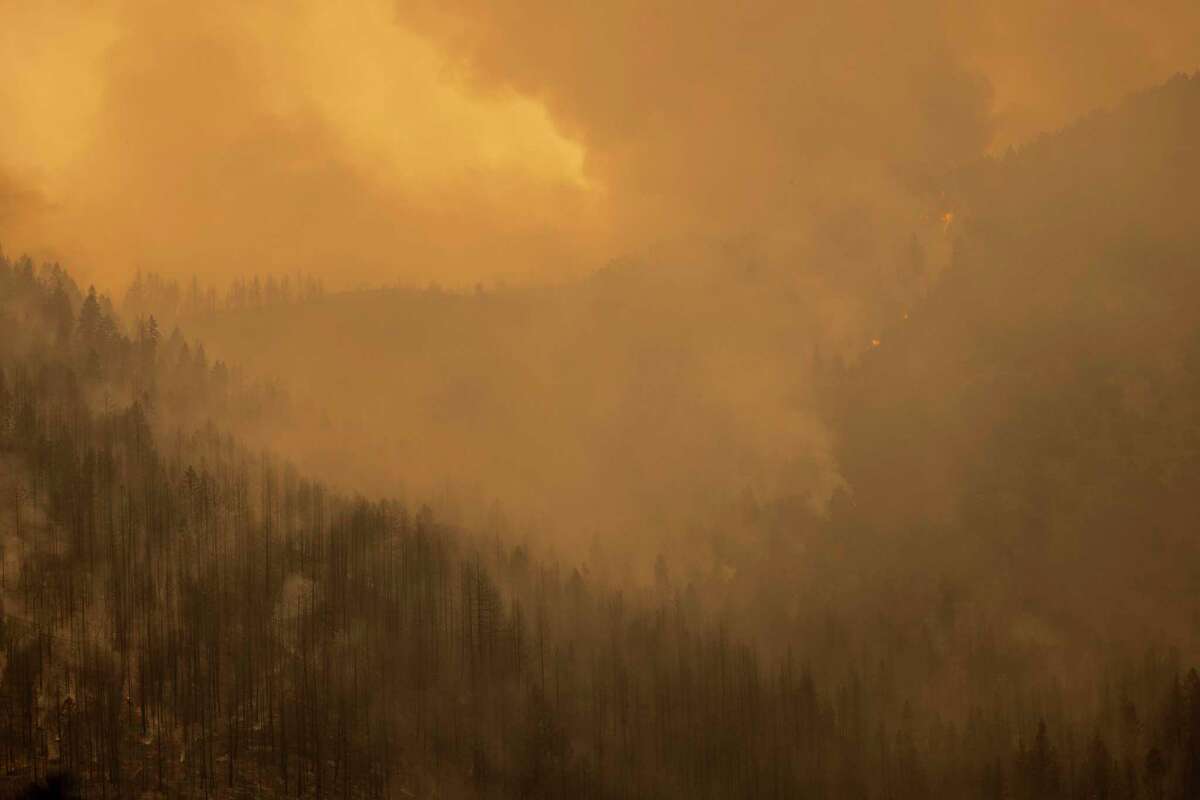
(1038, 412)
(533, 395)
(984, 586)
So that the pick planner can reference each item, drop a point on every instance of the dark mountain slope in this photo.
(1041, 408)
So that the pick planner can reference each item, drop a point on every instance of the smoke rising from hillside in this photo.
(237, 138)
(467, 141)
(633, 399)
(776, 165)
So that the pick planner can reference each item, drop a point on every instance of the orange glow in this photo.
(224, 138)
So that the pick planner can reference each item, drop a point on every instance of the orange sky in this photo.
(464, 140)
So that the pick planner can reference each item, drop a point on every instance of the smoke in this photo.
(13, 199)
(461, 140)
(1049, 63)
(707, 118)
(777, 163)
(226, 139)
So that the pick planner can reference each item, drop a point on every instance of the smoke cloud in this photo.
(233, 138)
(461, 141)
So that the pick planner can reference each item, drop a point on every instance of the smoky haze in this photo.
(768, 178)
(220, 140)
(463, 141)
(542, 399)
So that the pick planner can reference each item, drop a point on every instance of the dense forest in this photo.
(996, 600)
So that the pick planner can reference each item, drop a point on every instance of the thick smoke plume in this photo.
(462, 141)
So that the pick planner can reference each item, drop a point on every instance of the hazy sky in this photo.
(464, 140)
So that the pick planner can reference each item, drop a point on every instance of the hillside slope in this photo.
(1040, 410)
(992, 596)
